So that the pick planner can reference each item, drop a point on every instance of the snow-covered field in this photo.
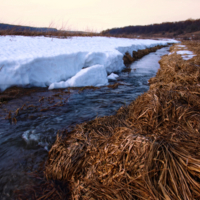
(60, 63)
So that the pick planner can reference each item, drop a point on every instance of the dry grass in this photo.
(65, 32)
(148, 150)
(128, 59)
(62, 33)
(58, 34)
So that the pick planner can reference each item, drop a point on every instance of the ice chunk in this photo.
(30, 136)
(91, 76)
(113, 76)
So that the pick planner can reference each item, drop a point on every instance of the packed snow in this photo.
(54, 62)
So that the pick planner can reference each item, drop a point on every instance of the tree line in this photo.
(180, 27)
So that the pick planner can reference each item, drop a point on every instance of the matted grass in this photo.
(128, 59)
(148, 150)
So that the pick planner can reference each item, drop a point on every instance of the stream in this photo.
(25, 143)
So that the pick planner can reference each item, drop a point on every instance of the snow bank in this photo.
(42, 61)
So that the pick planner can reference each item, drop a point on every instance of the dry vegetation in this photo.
(18, 92)
(180, 32)
(128, 59)
(183, 36)
(51, 32)
(59, 33)
(66, 34)
(148, 150)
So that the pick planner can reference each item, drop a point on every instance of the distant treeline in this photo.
(9, 29)
(6, 27)
(181, 27)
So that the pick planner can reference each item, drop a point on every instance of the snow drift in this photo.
(42, 61)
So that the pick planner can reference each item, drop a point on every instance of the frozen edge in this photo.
(44, 71)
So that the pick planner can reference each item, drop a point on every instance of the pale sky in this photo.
(96, 15)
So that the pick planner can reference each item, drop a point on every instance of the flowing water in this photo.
(25, 144)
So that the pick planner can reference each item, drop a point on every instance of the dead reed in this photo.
(62, 33)
(128, 59)
(58, 33)
(148, 150)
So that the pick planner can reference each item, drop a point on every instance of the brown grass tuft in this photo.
(148, 150)
(128, 59)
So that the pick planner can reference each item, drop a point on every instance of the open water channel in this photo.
(25, 144)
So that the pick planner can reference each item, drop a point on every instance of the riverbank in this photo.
(17, 92)
(12, 113)
(148, 150)
(28, 133)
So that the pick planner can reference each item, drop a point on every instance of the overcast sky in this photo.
(96, 15)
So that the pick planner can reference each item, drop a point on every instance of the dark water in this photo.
(25, 144)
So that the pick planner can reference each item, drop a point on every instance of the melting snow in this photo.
(181, 46)
(186, 55)
(53, 62)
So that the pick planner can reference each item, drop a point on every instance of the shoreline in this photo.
(147, 150)
(16, 92)
(20, 92)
